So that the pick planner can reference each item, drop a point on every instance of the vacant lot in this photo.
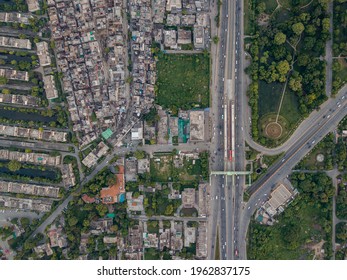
(162, 169)
(183, 81)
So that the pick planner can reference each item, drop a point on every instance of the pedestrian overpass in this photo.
(233, 173)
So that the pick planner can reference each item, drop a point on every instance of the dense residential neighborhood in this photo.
(173, 129)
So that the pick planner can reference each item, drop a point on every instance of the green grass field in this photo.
(183, 81)
(269, 97)
(288, 3)
(324, 147)
(343, 73)
(290, 108)
(270, 6)
(311, 163)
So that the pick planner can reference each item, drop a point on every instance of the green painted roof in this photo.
(107, 133)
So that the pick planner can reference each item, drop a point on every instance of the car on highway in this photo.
(236, 253)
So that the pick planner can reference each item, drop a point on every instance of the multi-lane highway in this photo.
(232, 190)
(234, 214)
(226, 197)
(217, 132)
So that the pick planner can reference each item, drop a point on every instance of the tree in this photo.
(298, 28)
(140, 154)
(3, 80)
(215, 39)
(25, 222)
(102, 209)
(86, 223)
(136, 194)
(169, 210)
(283, 67)
(72, 221)
(14, 165)
(295, 82)
(151, 116)
(111, 179)
(280, 38)
(325, 25)
(5, 91)
(2, 62)
(261, 7)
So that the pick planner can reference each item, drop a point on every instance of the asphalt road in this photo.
(217, 146)
(230, 188)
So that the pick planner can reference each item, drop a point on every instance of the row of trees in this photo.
(341, 201)
(57, 117)
(340, 19)
(35, 24)
(14, 6)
